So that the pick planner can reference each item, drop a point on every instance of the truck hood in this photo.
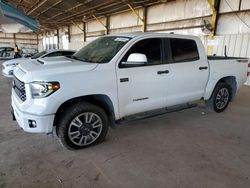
(40, 68)
(54, 60)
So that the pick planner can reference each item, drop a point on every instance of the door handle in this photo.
(163, 72)
(124, 79)
(203, 68)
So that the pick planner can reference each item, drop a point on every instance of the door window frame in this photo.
(171, 54)
(162, 60)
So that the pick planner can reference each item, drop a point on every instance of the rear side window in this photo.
(184, 50)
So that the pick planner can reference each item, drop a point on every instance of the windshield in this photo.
(38, 55)
(101, 50)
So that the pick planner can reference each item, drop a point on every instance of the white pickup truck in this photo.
(117, 77)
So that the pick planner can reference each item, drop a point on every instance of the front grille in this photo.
(19, 88)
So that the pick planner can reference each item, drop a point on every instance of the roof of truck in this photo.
(138, 34)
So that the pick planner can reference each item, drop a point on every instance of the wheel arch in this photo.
(100, 100)
(231, 81)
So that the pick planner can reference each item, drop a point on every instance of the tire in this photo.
(220, 98)
(82, 125)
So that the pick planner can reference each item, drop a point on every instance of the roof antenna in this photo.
(225, 51)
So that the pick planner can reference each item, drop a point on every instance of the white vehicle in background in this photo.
(119, 77)
(8, 66)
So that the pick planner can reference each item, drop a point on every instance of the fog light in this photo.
(32, 123)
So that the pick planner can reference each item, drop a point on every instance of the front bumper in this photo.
(44, 124)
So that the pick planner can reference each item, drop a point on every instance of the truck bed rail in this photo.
(224, 58)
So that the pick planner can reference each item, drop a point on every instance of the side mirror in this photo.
(136, 59)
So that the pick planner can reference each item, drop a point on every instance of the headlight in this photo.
(8, 65)
(43, 89)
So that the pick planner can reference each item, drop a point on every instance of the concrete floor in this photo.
(191, 149)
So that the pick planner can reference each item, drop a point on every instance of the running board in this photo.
(155, 113)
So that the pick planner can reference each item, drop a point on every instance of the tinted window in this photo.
(9, 49)
(54, 54)
(6, 49)
(149, 47)
(67, 53)
(37, 55)
(184, 50)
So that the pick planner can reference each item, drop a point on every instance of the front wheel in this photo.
(82, 125)
(220, 98)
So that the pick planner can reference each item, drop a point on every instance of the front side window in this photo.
(184, 50)
(149, 47)
(101, 50)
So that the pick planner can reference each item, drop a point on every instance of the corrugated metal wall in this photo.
(237, 45)
(28, 40)
(180, 16)
(233, 29)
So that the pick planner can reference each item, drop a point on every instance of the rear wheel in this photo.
(220, 98)
(82, 125)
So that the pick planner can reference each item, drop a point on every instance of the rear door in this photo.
(189, 71)
(143, 88)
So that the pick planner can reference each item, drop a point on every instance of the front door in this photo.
(143, 88)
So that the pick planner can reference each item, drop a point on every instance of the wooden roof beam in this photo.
(55, 4)
(72, 8)
(20, 1)
(88, 11)
(36, 6)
